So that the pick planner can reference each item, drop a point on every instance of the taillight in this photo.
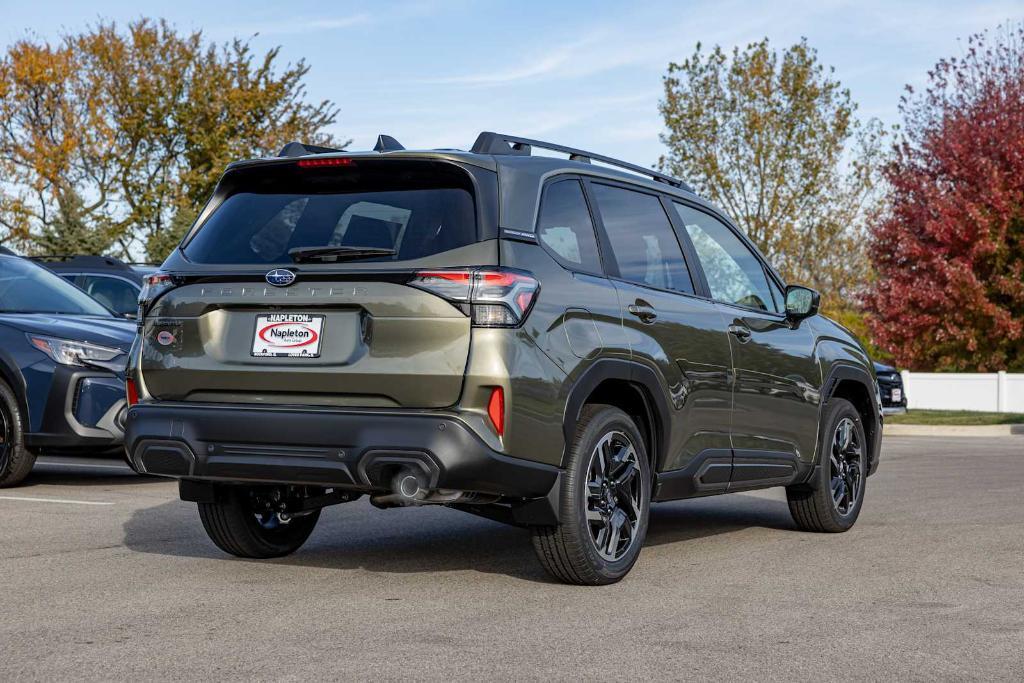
(496, 409)
(153, 286)
(131, 391)
(498, 297)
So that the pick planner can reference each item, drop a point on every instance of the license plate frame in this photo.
(298, 335)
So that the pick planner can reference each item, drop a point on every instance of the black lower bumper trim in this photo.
(349, 449)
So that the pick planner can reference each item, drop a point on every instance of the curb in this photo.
(953, 430)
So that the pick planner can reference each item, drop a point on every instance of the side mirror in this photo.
(801, 302)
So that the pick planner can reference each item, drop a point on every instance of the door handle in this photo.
(643, 310)
(741, 332)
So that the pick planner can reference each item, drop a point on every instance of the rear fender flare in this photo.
(646, 383)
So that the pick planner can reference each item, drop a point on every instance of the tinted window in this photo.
(777, 294)
(28, 288)
(416, 209)
(643, 243)
(565, 227)
(734, 274)
(116, 294)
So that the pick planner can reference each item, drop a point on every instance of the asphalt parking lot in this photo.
(106, 575)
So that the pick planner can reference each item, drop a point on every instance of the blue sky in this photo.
(433, 73)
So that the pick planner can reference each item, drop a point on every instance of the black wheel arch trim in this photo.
(846, 371)
(16, 381)
(643, 379)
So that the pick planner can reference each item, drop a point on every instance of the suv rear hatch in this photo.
(294, 286)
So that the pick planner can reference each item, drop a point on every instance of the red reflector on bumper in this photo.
(496, 409)
(132, 392)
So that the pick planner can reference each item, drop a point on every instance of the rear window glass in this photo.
(414, 212)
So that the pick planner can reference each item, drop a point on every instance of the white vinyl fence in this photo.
(994, 392)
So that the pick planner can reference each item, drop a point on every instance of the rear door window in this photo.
(565, 227)
(116, 294)
(417, 213)
(643, 243)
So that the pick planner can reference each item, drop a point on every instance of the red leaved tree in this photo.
(948, 249)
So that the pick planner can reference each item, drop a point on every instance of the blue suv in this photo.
(62, 362)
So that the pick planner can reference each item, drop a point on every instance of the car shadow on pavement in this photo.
(45, 474)
(356, 536)
(687, 520)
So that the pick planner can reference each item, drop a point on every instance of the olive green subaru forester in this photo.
(554, 343)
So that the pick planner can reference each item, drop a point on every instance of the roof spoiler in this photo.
(501, 144)
(385, 143)
(301, 149)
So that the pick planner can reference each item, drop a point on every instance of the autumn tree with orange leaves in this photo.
(949, 252)
(772, 136)
(111, 140)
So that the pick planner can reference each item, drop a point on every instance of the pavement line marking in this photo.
(53, 500)
(81, 464)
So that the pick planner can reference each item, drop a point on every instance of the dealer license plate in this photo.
(288, 335)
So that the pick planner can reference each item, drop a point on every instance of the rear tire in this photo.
(605, 502)
(832, 502)
(235, 528)
(16, 461)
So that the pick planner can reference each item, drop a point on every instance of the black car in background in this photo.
(62, 362)
(112, 282)
(890, 388)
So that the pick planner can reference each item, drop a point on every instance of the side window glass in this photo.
(114, 293)
(735, 275)
(565, 227)
(778, 294)
(644, 245)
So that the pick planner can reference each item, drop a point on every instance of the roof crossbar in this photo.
(501, 144)
(301, 149)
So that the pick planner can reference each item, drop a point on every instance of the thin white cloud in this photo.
(546, 63)
(302, 25)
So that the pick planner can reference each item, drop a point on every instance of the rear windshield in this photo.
(415, 209)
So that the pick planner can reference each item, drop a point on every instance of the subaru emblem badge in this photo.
(280, 277)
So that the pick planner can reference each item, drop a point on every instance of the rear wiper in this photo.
(300, 254)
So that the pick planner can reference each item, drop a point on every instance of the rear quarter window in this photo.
(416, 209)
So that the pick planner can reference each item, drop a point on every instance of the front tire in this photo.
(605, 502)
(236, 528)
(16, 461)
(833, 502)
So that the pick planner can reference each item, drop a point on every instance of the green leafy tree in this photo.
(70, 232)
(773, 139)
(139, 124)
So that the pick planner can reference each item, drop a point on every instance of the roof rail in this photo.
(301, 149)
(501, 144)
(81, 259)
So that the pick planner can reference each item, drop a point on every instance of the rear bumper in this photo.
(354, 449)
